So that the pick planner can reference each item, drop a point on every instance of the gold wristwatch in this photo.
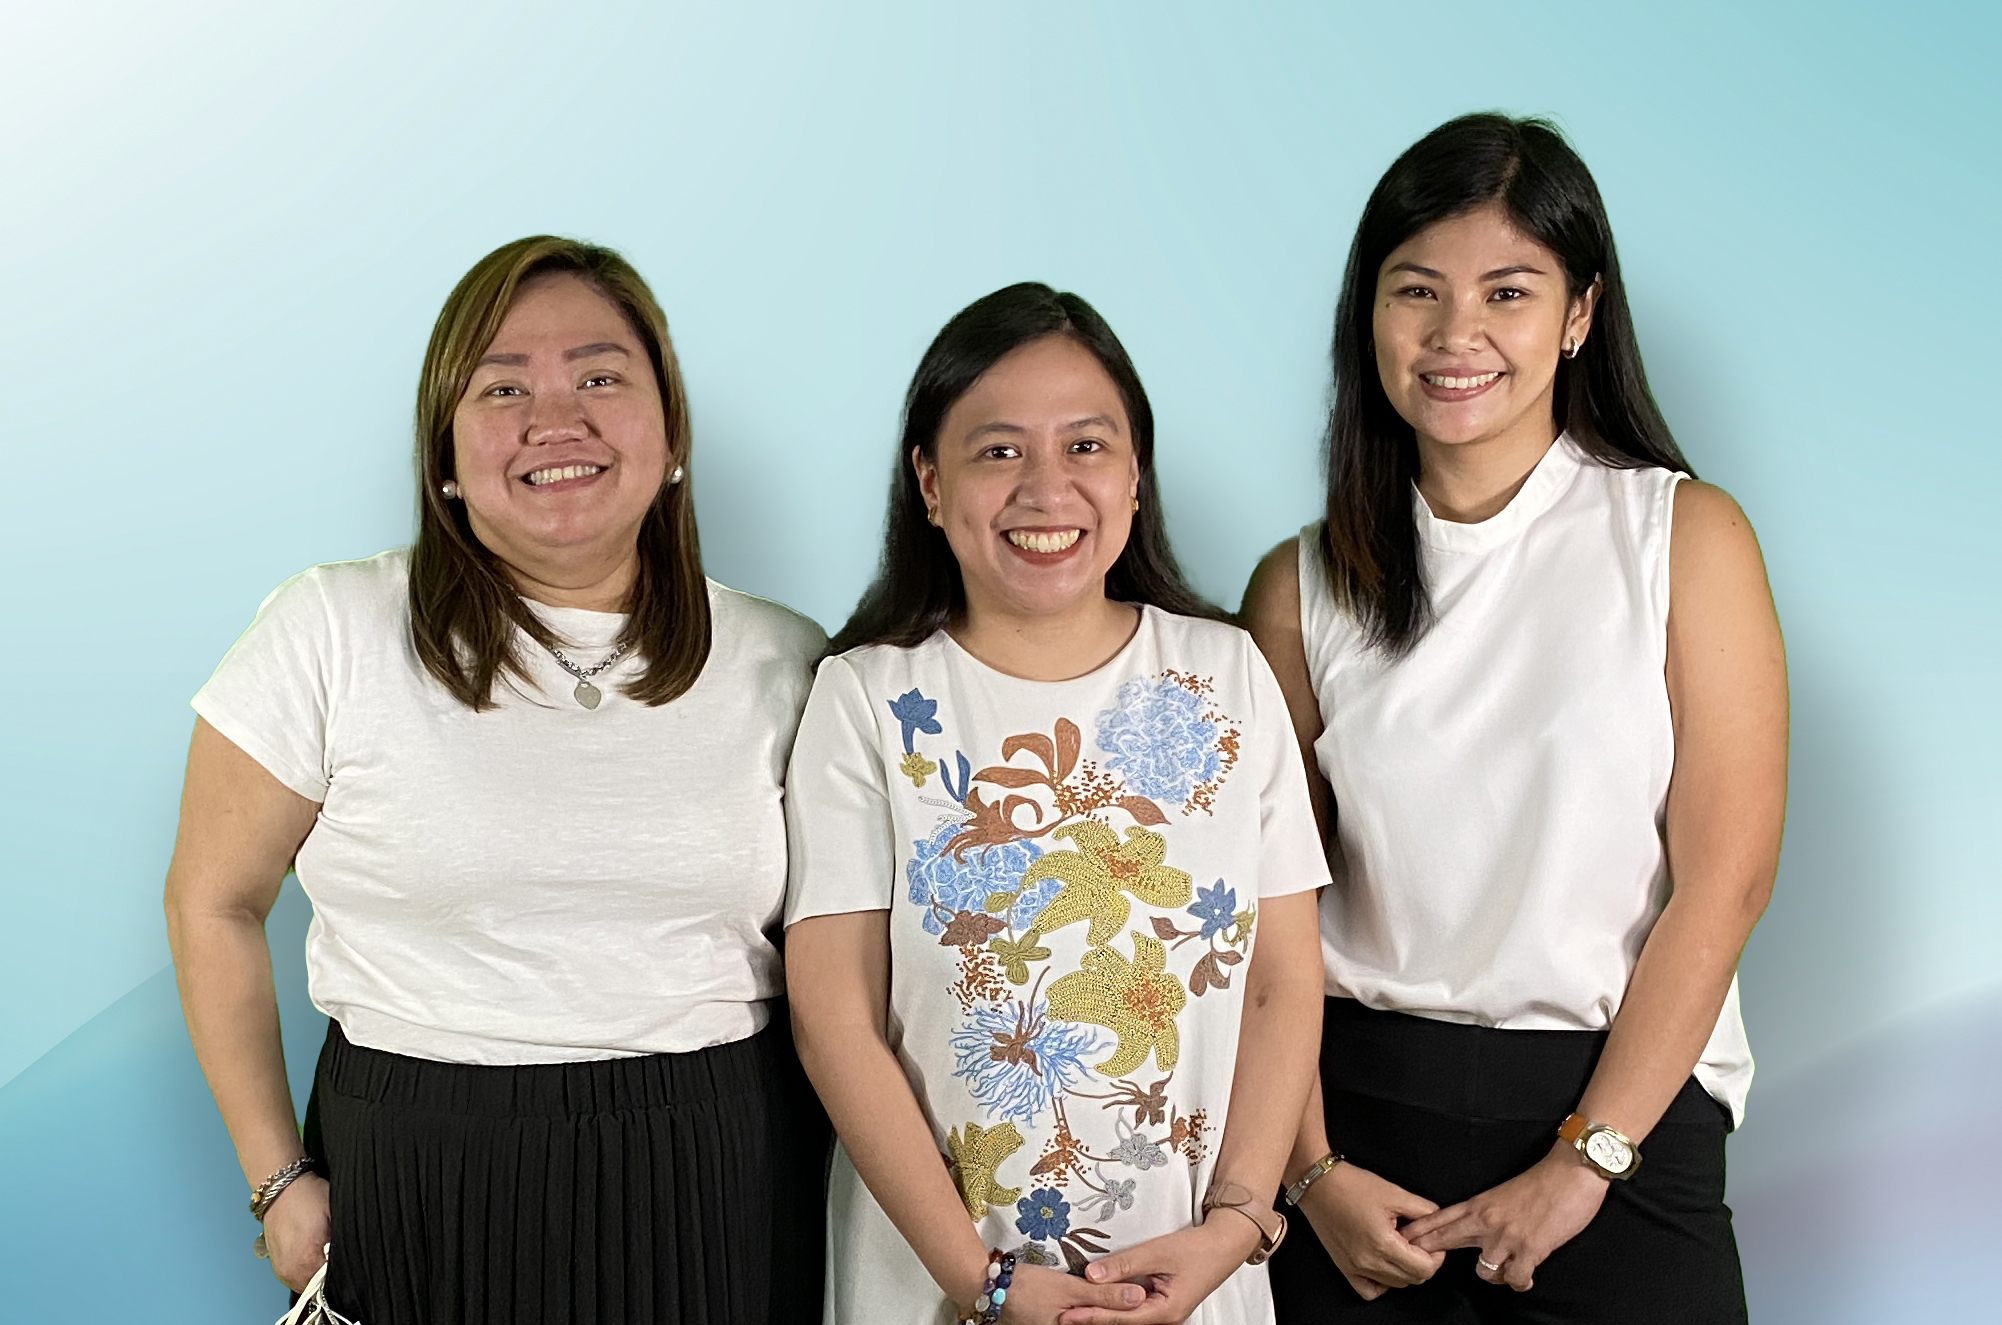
(1603, 1148)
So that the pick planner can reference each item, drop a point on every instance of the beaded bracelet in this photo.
(993, 1290)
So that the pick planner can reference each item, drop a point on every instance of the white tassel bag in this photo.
(312, 1308)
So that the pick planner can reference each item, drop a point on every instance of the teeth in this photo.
(542, 476)
(1459, 383)
(1034, 542)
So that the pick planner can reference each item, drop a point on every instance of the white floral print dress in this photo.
(1073, 872)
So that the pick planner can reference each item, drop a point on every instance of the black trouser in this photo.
(1448, 1111)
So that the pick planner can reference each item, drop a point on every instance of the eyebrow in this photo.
(581, 352)
(1016, 429)
(1520, 268)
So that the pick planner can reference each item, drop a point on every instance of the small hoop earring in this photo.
(449, 490)
(1571, 350)
(931, 516)
(678, 475)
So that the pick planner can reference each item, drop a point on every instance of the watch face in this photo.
(1609, 1152)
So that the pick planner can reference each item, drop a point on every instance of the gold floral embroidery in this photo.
(1137, 1001)
(1014, 955)
(1096, 876)
(975, 1156)
(917, 768)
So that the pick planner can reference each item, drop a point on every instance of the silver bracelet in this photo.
(1314, 1173)
(264, 1193)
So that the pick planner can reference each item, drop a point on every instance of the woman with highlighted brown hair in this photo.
(528, 771)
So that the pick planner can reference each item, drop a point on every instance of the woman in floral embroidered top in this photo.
(1051, 952)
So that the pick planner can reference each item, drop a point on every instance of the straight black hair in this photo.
(1602, 396)
(918, 588)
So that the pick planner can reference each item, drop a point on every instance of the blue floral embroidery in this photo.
(958, 793)
(938, 882)
(1013, 1076)
(917, 714)
(1138, 1151)
(1043, 1213)
(1216, 907)
(1155, 736)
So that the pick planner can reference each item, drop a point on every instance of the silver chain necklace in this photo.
(587, 694)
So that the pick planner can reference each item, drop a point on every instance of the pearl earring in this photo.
(449, 490)
(678, 474)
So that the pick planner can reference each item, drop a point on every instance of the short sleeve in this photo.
(1290, 856)
(839, 834)
(270, 695)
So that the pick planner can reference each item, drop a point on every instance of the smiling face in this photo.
(1470, 318)
(559, 444)
(1033, 481)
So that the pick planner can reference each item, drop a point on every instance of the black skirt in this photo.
(665, 1188)
(1448, 1111)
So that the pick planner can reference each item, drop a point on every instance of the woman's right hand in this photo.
(1355, 1213)
(1038, 1295)
(297, 1229)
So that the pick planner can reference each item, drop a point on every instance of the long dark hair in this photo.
(1602, 396)
(464, 611)
(918, 586)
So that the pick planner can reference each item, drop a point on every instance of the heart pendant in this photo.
(587, 694)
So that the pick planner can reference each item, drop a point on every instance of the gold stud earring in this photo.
(1136, 503)
(931, 515)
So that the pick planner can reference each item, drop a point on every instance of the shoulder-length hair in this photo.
(918, 587)
(1602, 396)
(464, 611)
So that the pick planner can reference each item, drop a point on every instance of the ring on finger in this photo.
(1487, 1266)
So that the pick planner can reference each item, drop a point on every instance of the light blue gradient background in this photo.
(227, 228)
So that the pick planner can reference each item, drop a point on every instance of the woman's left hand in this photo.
(1518, 1224)
(1178, 1270)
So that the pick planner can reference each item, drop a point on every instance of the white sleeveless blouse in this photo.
(1501, 789)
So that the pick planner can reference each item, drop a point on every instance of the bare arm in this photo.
(838, 977)
(1726, 674)
(240, 828)
(1353, 1211)
(1727, 690)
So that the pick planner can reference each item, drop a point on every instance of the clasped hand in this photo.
(1355, 1214)
(1157, 1282)
(1519, 1223)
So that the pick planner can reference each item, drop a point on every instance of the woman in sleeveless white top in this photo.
(1540, 677)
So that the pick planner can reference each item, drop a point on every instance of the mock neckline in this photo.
(1547, 482)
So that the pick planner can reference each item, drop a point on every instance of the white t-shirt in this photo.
(540, 882)
(1073, 871)
(1501, 788)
